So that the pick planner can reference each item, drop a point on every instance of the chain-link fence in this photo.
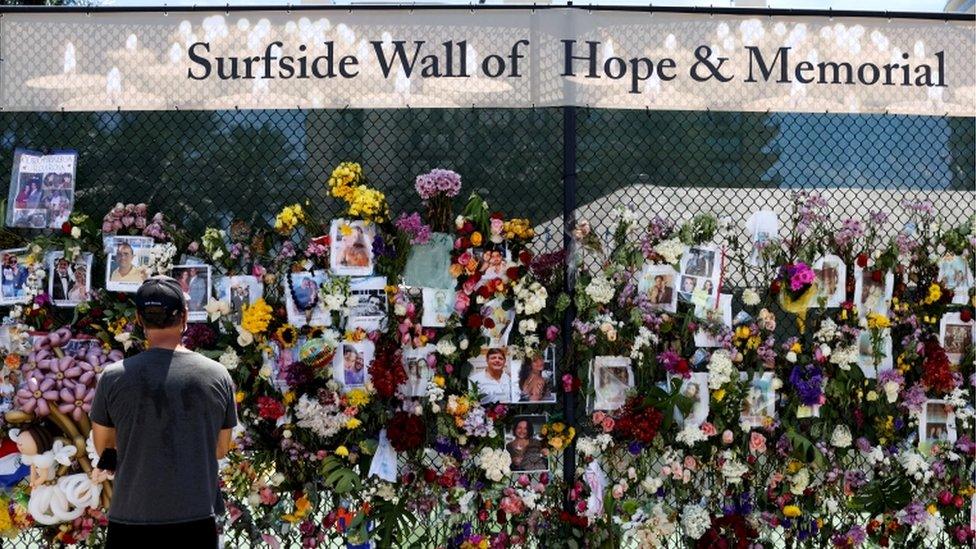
(208, 168)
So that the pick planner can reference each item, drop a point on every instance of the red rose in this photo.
(862, 260)
(430, 475)
(464, 243)
(66, 228)
(966, 314)
(525, 257)
(122, 297)
(270, 408)
(405, 431)
(512, 273)
(489, 322)
(467, 228)
(774, 287)
(877, 276)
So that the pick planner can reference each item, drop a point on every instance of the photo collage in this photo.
(701, 272)
(42, 189)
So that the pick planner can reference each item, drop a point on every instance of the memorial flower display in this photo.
(395, 367)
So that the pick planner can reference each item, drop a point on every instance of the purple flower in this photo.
(914, 513)
(914, 398)
(414, 227)
(808, 381)
(438, 182)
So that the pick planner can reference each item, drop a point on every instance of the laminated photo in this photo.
(524, 444)
(865, 354)
(501, 324)
(490, 375)
(369, 299)
(351, 253)
(418, 371)
(763, 226)
(955, 275)
(126, 262)
(701, 271)
(196, 284)
(759, 404)
(42, 189)
(871, 295)
(68, 282)
(428, 265)
(831, 273)
(956, 336)
(612, 378)
(535, 378)
(13, 276)
(438, 306)
(238, 291)
(696, 389)
(302, 302)
(722, 313)
(937, 423)
(350, 367)
(659, 284)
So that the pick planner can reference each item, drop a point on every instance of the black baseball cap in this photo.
(160, 297)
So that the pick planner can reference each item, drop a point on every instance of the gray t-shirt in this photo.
(167, 408)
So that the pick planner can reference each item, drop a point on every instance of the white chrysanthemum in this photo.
(229, 359)
(690, 435)
(720, 369)
(843, 357)
(915, 465)
(750, 297)
(841, 437)
(733, 470)
(446, 347)
(671, 250)
(695, 521)
(600, 289)
(799, 482)
(324, 421)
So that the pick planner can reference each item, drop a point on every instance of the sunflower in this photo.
(287, 335)
(316, 332)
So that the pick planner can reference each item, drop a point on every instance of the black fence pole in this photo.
(569, 281)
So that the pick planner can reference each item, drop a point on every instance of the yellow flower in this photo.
(302, 508)
(352, 423)
(796, 347)
(558, 427)
(753, 342)
(932, 509)
(934, 294)
(877, 321)
(345, 229)
(288, 397)
(718, 395)
(342, 451)
(287, 336)
(358, 397)
(476, 239)
(239, 397)
(556, 442)
(791, 511)
(289, 217)
(255, 317)
(439, 381)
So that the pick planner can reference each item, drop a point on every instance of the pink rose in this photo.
(106, 226)
(552, 332)
(757, 443)
(523, 480)
(727, 437)
(708, 429)
(690, 463)
(258, 271)
(461, 302)
(497, 225)
(598, 417)
(608, 424)
(618, 491)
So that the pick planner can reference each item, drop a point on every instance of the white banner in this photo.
(497, 58)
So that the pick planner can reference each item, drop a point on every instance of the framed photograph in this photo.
(369, 312)
(701, 270)
(493, 263)
(954, 274)
(352, 248)
(871, 295)
(350, 367)
(490, 375)
(865, 355)
(659, 283)
(524, 444)
(612, 377)
(937, 424)
(302, 301)
(239, 291)
(759, 404)
(126, 262)
(504, 319)
(68, 282)
(695, 388)
(831, 273)
(721, 313)
(42, 189)
(196, 284)
(535, 378)
(13, 276)
(418, 370)
(956, 336)
(438, 306)
(763, 226)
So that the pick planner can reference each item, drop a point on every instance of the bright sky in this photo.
(879, 5)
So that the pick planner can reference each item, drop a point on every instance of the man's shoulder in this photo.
(205, 365)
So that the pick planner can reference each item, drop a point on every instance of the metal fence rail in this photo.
(207, 168)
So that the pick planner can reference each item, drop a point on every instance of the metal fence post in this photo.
(569, 279)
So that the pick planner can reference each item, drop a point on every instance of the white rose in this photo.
(229, 359)
(244, 337)
(841, 437)
(791, 356)
(527, 326)
(76, 232)
(750, 297)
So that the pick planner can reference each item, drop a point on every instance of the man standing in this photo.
(494, 382)
(169, 413)
(61, 282)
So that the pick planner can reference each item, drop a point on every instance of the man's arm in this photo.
(223, 443)
(104, 437)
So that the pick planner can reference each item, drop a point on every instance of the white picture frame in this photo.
(351, 251)
(438, 306)
(759, 404)
(878, 297)
(418, 370)
(75, 286)
(956, 336)
(865, 356)
(696, 388)
(521, 373)
(831, 277)
(125, 273)
(370, 308)
(492, 388)
(612, 378)
(704, 339)
(660, 284)
(532, 457)
(238, 291)
(350, 365)
(196, 283)
(937, 423)
(700, 270)
(955, 275)
(304, 281)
